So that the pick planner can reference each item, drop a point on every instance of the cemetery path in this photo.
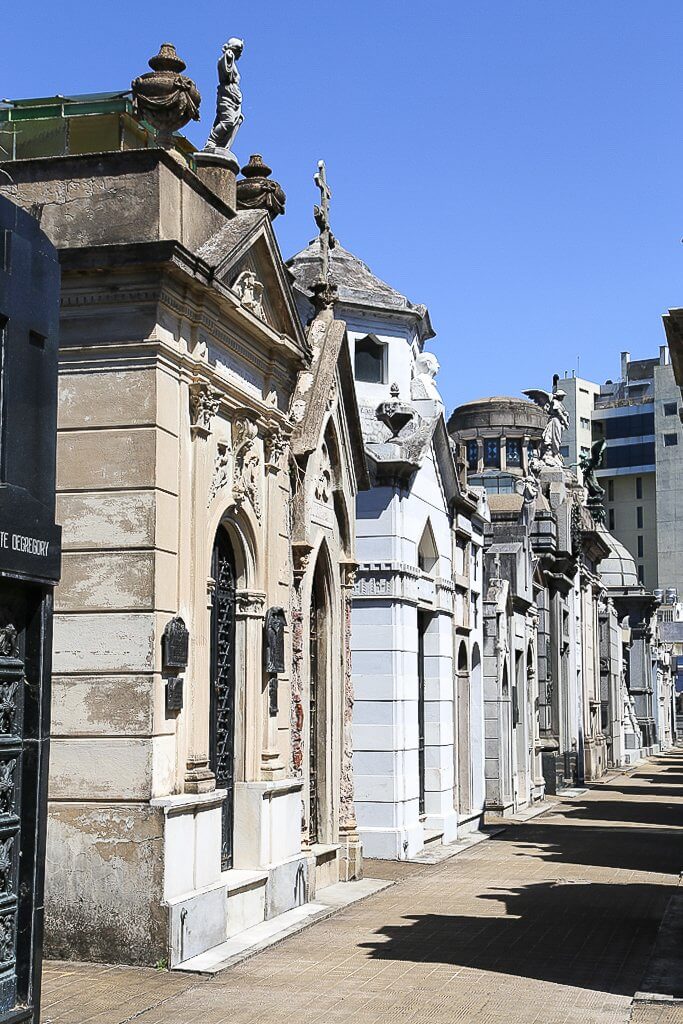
(551, 921)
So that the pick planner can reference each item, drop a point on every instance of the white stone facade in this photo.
(416, 547)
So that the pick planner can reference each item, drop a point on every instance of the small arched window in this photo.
(369, 360)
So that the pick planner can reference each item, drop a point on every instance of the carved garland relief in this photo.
(246, 483)
(348, 816)
(221, 470)
(301, 560)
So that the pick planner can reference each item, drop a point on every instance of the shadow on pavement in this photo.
(627, 848)
(593, 936)
(663, 814)
(659, 777)
(651, 789)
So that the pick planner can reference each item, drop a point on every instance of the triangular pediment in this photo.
(247, 260)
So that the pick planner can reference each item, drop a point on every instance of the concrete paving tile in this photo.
(551, 921)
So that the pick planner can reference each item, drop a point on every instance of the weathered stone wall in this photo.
(113, 746)
(127, 197)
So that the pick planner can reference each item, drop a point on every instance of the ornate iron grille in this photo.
(11, 750)
(313, 815)
(222, 732)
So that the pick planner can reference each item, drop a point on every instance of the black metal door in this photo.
(316, 624)
(421, 708)
(222, 730)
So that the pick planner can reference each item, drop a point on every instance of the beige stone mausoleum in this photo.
(209, 453)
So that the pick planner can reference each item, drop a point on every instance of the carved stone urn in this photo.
(395, 415)
(256, 191)
(164, 97)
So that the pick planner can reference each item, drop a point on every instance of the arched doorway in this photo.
(463, 760)
(477, 730)
(222, 705)
(422, 624)
(319, 661)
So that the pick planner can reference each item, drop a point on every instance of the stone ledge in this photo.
(188, 803)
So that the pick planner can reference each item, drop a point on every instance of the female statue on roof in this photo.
(228, 102)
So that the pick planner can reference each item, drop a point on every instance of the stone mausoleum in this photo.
(209, 454)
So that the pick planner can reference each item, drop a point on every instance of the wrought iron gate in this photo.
(222, 731)
(12, 687)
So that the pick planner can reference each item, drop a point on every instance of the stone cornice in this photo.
(405, 583)
(199, 288)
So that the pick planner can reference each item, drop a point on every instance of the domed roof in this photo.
(501, 411)
(618, 571)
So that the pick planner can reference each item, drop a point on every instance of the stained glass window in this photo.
(472, 454)
(514, 451)
(492, 452)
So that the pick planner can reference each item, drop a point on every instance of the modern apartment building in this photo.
(642, 471)
(579, 403)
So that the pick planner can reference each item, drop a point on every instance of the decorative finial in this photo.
(164, 97)
(256, 191)
(228, 109)
(324, 292)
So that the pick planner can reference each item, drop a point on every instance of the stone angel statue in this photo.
(529, 487)
(589, 464)
(558, 422)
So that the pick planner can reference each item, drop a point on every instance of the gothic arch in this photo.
(477, 730)
(462, 657)
(462, 732)
(427, 551)
(223, 639)
(321, 697)
(242, 533)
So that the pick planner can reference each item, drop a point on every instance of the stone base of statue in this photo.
(218, 158)
(218, 169)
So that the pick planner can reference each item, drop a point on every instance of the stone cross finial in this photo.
(324, 293)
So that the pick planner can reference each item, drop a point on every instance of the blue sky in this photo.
(514, 164)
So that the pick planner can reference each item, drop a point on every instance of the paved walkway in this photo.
(549, 922)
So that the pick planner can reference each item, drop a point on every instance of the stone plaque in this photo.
(175, 644)
(275, 640)
(174, 693)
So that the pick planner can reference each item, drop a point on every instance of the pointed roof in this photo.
(250, 233)
(356, 284)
